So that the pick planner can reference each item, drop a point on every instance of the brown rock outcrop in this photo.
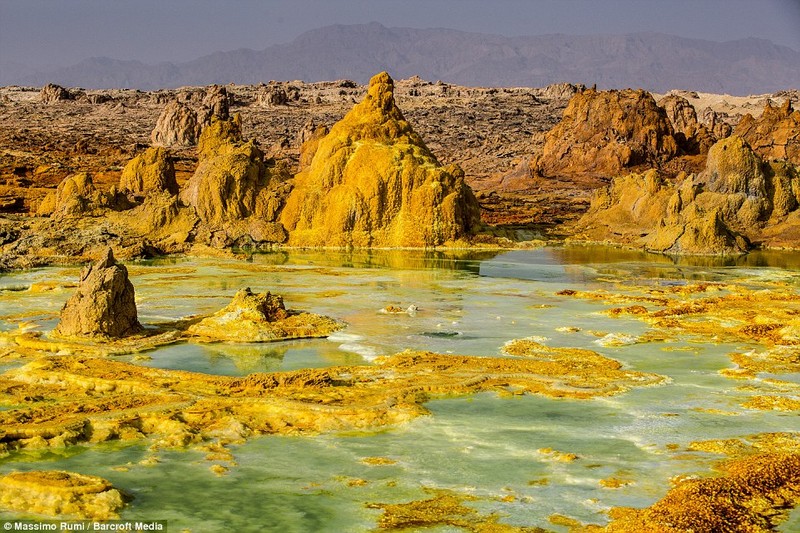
(775, 134)
(261, 318)
(373, 182)
(59, 493)
(560, 91)
(52, 93)
(272, 95)
(104, 304)
(692, 137)
(150, 171)
(717, 127)
(180, 123)
(216, 103)
(176, 126)
(603, 132)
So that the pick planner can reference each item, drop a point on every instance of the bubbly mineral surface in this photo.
(59, 493)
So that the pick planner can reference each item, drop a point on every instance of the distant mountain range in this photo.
(653, 61)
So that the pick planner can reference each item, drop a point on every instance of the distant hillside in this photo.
(653, 61)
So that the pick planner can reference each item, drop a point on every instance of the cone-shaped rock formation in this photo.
(373, 182)
(230, 175)
(104, 305)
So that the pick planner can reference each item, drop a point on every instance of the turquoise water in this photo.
(481, 445)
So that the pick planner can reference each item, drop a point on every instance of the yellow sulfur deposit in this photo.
(753, 491)
(445, 508)
(261, 318)
(373, 183)
(62, 400)
(749, 496)
(60, 493)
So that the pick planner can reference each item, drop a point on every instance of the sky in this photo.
(51, 33)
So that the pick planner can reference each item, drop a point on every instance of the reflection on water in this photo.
(468, 303)
(466, 260)
(595, 254)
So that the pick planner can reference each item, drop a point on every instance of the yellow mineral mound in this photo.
(233, 188)
(261, 318)
(372, 182)
(737, 200)
(733, 167)
(150, 171)
(76, 195)
(230, 174)
(58, 493)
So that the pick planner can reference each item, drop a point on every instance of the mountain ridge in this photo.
(653, 61)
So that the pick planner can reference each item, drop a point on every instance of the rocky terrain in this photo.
(188, 169)
(483, 130)
(746, 195)
(394, 164)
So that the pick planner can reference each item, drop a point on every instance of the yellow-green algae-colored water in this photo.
(511, 452)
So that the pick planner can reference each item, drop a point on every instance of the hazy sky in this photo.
(62, 32)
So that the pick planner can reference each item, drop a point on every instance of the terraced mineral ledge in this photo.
(55, 401)
(751, 493)
(766, 316)
(63, 400)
